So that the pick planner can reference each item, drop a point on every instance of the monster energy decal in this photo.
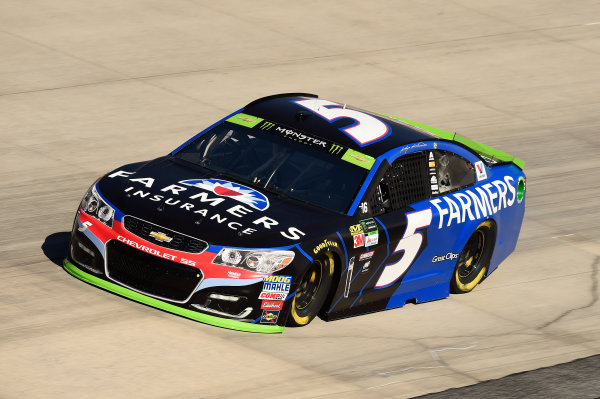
(346, 154)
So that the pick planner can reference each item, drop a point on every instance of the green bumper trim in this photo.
(479, 148)
(190, 314)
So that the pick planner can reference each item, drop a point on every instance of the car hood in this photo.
(198, 202)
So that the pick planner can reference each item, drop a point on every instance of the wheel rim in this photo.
(309, 286)
(470, 259)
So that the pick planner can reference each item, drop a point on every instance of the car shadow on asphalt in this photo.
(56, 246)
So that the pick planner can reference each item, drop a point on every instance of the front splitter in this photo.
(156, 303)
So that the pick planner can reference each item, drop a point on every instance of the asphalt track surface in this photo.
(86, 87)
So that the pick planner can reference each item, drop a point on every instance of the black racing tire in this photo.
(312, 291)
(474, 260)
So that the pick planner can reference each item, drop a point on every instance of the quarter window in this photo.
(453, 172)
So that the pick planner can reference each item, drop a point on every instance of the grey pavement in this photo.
(85, 88)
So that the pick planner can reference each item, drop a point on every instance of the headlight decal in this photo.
(255, 260)
(97, 206)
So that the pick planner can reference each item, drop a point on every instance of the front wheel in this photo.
(474, 259)
(312, 291)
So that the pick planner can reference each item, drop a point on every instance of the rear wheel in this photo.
(474, 259)
(312, 291)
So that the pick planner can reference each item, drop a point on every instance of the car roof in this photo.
(282, 109)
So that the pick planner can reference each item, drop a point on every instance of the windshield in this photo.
(271, 161)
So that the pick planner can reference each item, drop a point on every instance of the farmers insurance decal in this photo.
(475, 203)
(235, 217)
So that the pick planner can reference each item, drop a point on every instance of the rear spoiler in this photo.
(489, 154)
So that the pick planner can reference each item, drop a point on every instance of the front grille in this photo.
(150, 274)
(178, 241)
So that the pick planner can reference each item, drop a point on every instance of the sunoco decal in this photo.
(231, 190)
(269, 316)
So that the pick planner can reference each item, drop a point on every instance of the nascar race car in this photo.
(295, 207)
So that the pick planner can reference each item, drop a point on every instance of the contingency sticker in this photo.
(433, 175)
(269, 316)
(245, 120)
(371, 231)
(480, 170)
(358, 158)
(275, 288)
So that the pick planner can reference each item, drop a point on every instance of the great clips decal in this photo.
(238, 192)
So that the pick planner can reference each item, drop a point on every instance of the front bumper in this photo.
(156, 303)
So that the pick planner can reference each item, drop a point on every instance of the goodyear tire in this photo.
(474, 260)
(312, 291)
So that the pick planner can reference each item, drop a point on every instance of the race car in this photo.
(295, 207)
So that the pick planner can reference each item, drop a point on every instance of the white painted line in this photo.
(434, 352)
(564, 235)
(592, 23)
(402, 371)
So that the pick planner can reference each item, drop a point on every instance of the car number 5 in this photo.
(366, 130)
(410, 243)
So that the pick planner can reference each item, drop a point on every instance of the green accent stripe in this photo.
(245, 120)
(190, 314)
(358, 158)
(479, 148)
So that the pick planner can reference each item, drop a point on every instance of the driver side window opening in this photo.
(405, 182)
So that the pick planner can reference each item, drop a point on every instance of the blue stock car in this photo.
(295, 207)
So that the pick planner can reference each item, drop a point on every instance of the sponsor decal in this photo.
(365, 267)
(433, 175)
(269, 316)
(275, 287)
(359, 159)
(235, 191)
(359, 240)
(277, 283)
(245, 120)
(271, 305)
(356, 229)
(235, 217)
(521, 187)
(300, 137)
(231, 274)
(155, 252)
(275, 296)
(480, 171)
(366, 255)
(160, 236)
(336, 149)
(266, 125)
(475, 203)
(325, 244)
(448, 256)
(369, 227)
